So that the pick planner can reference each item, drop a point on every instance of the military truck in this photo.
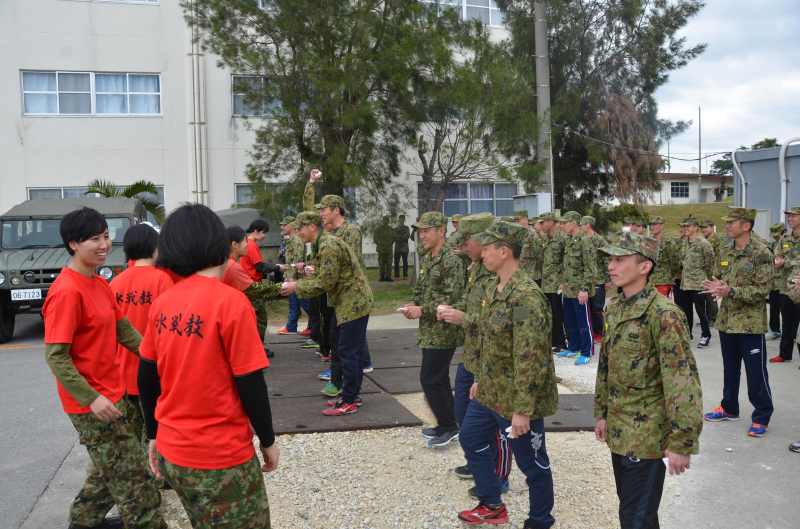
(32, 254)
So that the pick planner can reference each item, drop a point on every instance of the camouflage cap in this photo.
(332, 201)
(456, 218)
(508, 218)
(509, 233)
(307, 218)
(748, 214)
(431, 219)
(793, 211)
(571, 216)
(631, 243)
(707, 223)
(690, 221)
(587, 220)
(288, 219)
(470, 226)
(521, 214)
(778, 227)
(633, 220)
(547, 216)
(656, 220)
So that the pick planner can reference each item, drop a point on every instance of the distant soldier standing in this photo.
(648, 401)
(776, 231)
(698, 264)
(383, 236)
(787, 257)
(552, 261)
(442, 280)
(580, 271)
(532, 254)
(401, 236)
(744, 269)
(662, 277)
(711, 235)
(598, 300)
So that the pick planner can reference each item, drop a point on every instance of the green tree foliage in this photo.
(605, 56)
(142, 190)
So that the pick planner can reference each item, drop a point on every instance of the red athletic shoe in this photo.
(344, 409)
(335, 403)
(483, 514)
(284, 330)
(777, 360)
(324, 358)
(306, 332)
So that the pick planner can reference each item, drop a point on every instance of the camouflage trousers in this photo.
(117, 473)
(260, 303)
(230, 498)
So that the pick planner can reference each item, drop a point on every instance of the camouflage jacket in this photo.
(552, 261)
(340, 276)
(663, 270)
(777, 272)
(350, 234)
(383, 237)
(648, 387)
(698, 264)
(532, 255)
(401, 236)
(477, 279)
(601, 259)
(716, 241)
(749, 273)
(580, 266)
(516, 373)
(789, 248)
(442, 280)
(295, 253)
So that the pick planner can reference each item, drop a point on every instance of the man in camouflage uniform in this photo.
(552, 261)
(532, 254)
(776, 231)
(294, 252)
(698, 265)
(521, 218)
(598, 300)
(787, 264)
(634, 224)
(441, 281)
(466, 313)
(662, 277)
(339, 274)
(454, 220)
(383, 236)
(710, 233)
(580, 273)
(401, 235)
(515, 384)
(648, 400)
(743, 277)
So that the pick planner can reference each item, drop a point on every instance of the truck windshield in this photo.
(43, 233)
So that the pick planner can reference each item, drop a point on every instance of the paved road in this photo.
(36, 436)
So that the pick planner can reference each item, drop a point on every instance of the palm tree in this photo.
(141, 190)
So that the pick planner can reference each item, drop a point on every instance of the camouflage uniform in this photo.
(788, 247)
(295, 253)
(552, 261)
(239, 498)
(776, 231)
(716, 241)
(441, 280)
(743, 321)
(698, 266)
(532, 256)
(117, 473)
(383, 236)
(580, 273)
(516, 376)
(401, 235)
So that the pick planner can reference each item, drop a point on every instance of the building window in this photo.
(484, 10)
(679, 189)
(47, 193)
(466, 198)
(89, 93)
(245, 195)
(241, 86)
(151, 2)
(55, 193)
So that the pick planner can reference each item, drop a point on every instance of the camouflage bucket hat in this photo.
(522, 214)
(778, 227)
(547, 216)
(509, 233)
(634, 220)
(307, 218)
(288, 219)
(748, 214)
(792, 211)
(431, 219)
(690, 221)
(708, 223)
(332, 201)
(587, 220)
(508, 218)
(474, 224)
(571, 216)
(656, 220)
(631, 243)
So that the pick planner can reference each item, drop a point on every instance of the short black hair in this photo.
(258, 225)
(235, 234)
(140, 242)
(193, 238)
(81, 225)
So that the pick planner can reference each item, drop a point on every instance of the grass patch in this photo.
(675, 213)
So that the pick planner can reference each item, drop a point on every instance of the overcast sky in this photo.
(747, 81)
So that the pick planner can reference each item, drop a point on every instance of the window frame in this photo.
(139, 2)
(468, 199)
(677, 187)
(463, 9)
(92, 95)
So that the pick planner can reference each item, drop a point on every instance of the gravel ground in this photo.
(579, 379)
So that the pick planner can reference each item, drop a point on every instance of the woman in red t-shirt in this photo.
(82, 326)
(135, 290)
(201, 383)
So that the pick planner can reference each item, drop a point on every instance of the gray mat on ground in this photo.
(399, 380)
(304, 415)
(284, 384)
(575, 414)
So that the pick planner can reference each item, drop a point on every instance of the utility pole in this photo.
(699, 155)
(544, 143)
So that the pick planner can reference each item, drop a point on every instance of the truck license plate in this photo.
(26, 294)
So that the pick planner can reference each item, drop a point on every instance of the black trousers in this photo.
(434, 377)
(790, 312)
(694, 299)
(597, 304)
(397, 257)
(315, 319)
(775, 311)
(640, 483)
(557, 331)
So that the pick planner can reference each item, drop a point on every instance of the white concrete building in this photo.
(685, 188)
(114, 89)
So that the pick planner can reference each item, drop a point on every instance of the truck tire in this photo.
(7, 318)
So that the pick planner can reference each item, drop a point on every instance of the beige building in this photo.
(114, 90)
(687, 188)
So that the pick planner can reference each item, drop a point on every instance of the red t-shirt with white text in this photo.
(201, 334)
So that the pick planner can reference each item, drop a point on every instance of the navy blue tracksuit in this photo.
(752, 350)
